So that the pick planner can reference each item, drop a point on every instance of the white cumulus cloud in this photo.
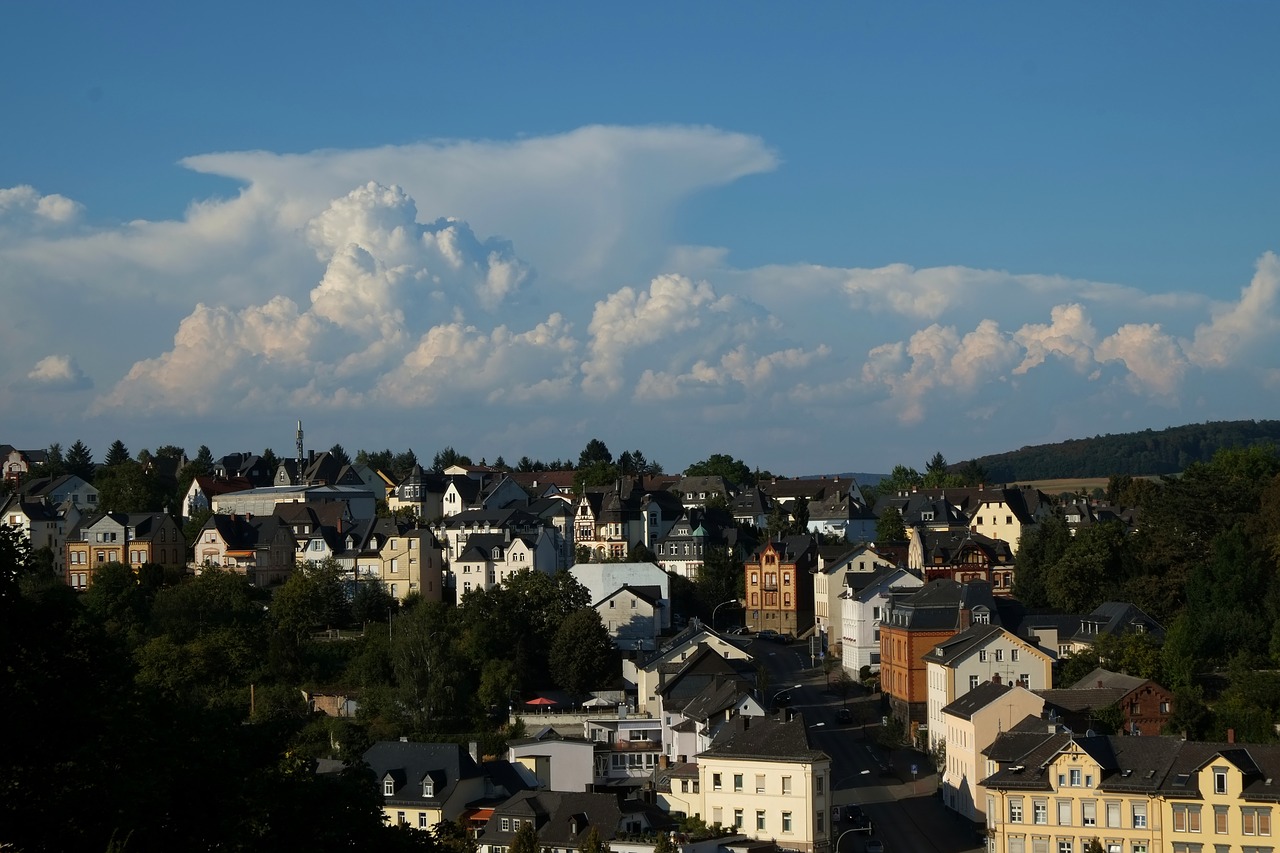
(56, 373)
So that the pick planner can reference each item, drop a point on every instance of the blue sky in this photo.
(818, 237)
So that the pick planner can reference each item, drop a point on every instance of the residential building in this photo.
(969, 725)
(962, 556)
(135, 539)
(693, 537)
(40, 522)
(262, 547)
(977, 655)
(422, 784)
(779, 589)
(18, 463)
(863, 605)
(633, 616)
(405, 559)
(1059, 791)
(603, 580)
(915, 621)
(1115, 618)
(359, 501)
(763, 778)
(199, 497)
(628, 749)
(649, 672)
(843, 512)
(829, 586)
(554, 761)
(703, 693)
(562, 821)
(59, 490)
(1141, 706)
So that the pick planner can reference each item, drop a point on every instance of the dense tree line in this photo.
(1146, 453)
(143, 716)
(1204, 560)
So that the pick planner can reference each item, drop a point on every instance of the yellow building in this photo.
(762, 778)
(1058, 793)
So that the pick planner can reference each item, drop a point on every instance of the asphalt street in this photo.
(905, 811)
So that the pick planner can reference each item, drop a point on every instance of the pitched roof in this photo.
(976, 699)
(765, 739)
(408, 763)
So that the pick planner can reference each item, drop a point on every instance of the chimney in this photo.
(663, 762)
(1231, 735)
(995, 679)
(746, 722)
(1099, 683)
(473, 747)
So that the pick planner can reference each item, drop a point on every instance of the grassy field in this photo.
(1057, 487)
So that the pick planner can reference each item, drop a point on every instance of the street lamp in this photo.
(775, 696)
(715, 609)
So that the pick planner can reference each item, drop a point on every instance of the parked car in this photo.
(844, 716)
(768, 634)
(875, 845)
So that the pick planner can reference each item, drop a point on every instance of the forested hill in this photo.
(1149, 452)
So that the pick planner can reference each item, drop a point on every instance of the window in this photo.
(759, 783)
(755, 577)
(818, 782)
(1015, 811)
(786, 784)
(388, 788)
(786, 821)
(400, 818)
(715, 782)
(737, 818)
(737, 782)
(1113, 815)
(1256, 821)
(1013, 655)
(982, 656)
(786, 578)
(1219, 780)
(428, 787)
(422, 820)
(1064, 813)
(1017, 844)
(506, 824)
(760, 819)
(1075, 777)
(1139, 815)
(973, 682)
(999, 655)
(1186, 818)
(684, 786)
(820, 821)
(1066, 846)
(1220, 820)
(1089, 813)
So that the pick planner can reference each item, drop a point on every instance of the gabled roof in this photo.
(408, 763)
(1106, 678)
(976, 699)
(561, 819)
(765, 739)
(651, 595)
(956, 648)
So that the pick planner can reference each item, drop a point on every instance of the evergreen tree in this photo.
(117, 454)
(595, 451)
(340, 455)
(270, 461)
(80, 461)
(203, 463)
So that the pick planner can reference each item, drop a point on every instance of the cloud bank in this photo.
(501, 283)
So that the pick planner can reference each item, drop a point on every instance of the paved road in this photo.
(907, 814)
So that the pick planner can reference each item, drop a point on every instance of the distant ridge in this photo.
(1145, 453)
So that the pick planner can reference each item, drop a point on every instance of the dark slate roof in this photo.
(1074, 700)
(408, 763)
(1117, 617)
(976, 699)
(561, 819)
(959, 645)
(765, 739)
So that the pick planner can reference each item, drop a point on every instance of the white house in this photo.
(603, 579)
(862, 605)
(633, 616)
(976, 655)
(969, 725)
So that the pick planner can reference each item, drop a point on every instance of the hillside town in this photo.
(605, 656)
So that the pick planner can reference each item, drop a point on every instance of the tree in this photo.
(447, 458)
(593, 844)
(170, 451)
(372, 602)
(889, 526)
(581, 652)
(1039, 549)
(204, 461)
(312, 597)
(402, 464)
(595, 451)
(117, 454)
(1095, 558)
(722, 465)
(270, 461)
(902, 479)
(526, 840)
(972, 473)
(80, 461)
(339, 455)
(128, 487)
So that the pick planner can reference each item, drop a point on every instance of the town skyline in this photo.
(839, 240)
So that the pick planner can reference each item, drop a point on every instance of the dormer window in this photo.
(927, 515)
(428, 787)
(388, 787)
